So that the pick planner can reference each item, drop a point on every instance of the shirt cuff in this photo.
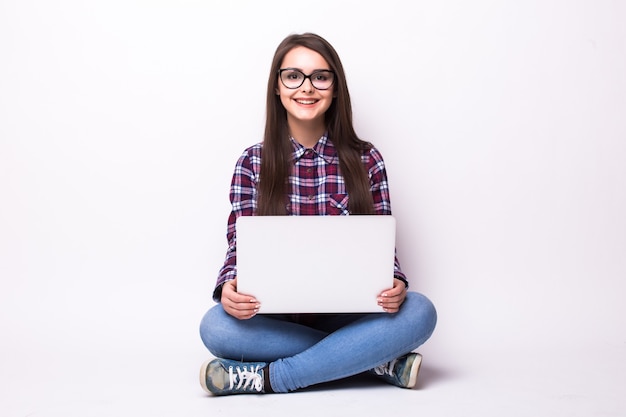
(406, 283)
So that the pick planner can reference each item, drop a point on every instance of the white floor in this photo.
(102, 343)
(73, 377)
(499, 384)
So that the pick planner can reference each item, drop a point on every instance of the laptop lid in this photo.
(315, 264)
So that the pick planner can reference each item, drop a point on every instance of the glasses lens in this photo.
(322, 80)
(292, 78)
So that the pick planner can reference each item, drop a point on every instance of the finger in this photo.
(239, 310)
(391, 309)
(247, 304)
(389, 297)
(395, 291)
(391, 304)
(242, 310)
(236, 298)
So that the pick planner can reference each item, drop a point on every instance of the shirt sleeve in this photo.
(243, 202)
(379, 186)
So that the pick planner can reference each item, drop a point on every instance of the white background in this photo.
(503, 125)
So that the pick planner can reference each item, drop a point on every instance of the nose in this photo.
(307, 85)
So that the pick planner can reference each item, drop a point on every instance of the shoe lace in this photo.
(246, 379)
(386, 368)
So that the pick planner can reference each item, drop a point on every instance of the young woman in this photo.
(309, 149)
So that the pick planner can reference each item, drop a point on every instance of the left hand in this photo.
(391, 300)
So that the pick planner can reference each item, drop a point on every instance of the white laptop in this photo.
(315, 264)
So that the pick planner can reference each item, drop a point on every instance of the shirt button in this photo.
(311, 197)
(309, 170)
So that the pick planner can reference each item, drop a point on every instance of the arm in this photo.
(243, 202)
(391, 299)
(379, 187)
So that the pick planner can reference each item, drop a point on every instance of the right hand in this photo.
(240, 306)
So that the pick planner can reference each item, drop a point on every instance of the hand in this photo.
(391, 300)
(240, 306)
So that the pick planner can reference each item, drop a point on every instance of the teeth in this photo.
(306, 101)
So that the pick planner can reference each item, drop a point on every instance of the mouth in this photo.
(305, 101)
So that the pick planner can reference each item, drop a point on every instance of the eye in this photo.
(321, 76)
(292, 75)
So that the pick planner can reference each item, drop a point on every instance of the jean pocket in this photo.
(337, 205)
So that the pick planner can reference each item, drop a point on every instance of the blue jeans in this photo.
(311, 349)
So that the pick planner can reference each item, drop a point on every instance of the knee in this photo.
(211, 329)
(423, 310)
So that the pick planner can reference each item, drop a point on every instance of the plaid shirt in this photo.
(317, 188)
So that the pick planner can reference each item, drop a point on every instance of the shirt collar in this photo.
(324, 148)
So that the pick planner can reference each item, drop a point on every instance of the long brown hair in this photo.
(277, 149)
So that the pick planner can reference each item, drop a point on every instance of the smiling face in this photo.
(305, 105)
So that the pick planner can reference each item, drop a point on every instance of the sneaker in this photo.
(225, 377)
(401, 371)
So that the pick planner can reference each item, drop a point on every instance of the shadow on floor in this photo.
(428, 377)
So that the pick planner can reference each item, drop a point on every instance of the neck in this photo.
(307, 133)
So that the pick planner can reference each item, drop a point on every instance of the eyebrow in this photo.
(315, 70)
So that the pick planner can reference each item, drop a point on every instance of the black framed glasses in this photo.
(293, 78)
